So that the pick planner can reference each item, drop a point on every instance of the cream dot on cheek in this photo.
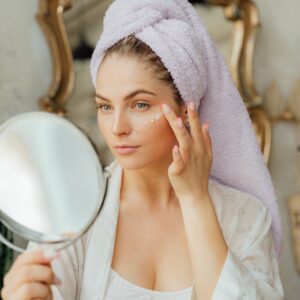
(153, 120)
(149, 123)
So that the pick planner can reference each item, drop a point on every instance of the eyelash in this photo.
(100, 106)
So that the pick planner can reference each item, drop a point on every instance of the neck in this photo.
(149, 187)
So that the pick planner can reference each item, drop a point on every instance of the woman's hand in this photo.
(30, 277)
(192, 157)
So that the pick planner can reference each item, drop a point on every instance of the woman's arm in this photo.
(207, 246)
(219, 273)
(211, 258)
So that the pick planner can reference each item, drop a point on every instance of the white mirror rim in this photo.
(50, 175)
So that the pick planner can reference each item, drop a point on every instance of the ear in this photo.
(184, 113)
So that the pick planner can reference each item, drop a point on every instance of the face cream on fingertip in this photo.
(158, 116)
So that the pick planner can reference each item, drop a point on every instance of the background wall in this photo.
(25, 61)
(278, 45)
(276, 67)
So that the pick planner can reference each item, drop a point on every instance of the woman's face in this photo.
(129, 100)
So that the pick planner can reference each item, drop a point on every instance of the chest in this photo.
(151, 250)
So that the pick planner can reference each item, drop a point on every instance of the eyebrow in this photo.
(131, 95)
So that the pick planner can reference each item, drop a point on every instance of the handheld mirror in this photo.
(52, 184)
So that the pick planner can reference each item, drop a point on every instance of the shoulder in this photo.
(229, 200)
(240, 214)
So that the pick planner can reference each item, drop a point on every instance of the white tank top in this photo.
(119, 288)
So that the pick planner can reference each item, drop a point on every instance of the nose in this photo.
(120, 125)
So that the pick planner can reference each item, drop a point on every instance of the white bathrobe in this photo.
(250, 270)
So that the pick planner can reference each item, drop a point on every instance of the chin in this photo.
(135, 163)
(131, 163)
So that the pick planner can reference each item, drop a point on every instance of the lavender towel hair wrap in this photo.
(176, 33)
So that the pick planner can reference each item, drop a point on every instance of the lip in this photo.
(125, 146)
(125, 149)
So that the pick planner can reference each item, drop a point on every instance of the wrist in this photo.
(195, 199)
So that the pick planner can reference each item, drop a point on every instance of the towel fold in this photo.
(177, 34)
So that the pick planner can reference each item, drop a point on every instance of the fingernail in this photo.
(57, 280)
(191, 106)
(176, 149)
(51, 254)
(207, 125)
(166, 108)
(179, 122)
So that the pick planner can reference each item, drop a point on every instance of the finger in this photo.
(208, 141)
(33, 290)
(178, 163)
(34, 257)
(177, 157)
(4, 293)
(28, 258)
(179, 130)
(35, 273)
(195, 126)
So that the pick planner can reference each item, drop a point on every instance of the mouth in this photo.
(126, 146)
(125, 149)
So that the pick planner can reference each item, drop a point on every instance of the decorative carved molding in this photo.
(263, 129)
(50, 18)
(245, 18)
(279, 108)
(294, 208)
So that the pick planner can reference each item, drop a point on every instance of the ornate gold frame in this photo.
(245, 18)
(50, 18)
(243, 14)
(294, 209)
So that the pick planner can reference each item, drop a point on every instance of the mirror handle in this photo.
(11, 245)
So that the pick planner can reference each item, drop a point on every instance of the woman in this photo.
(168, 230)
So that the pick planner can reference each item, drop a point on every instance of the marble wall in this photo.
(25, 60)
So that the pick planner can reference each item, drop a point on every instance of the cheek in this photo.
(159, 133)
(148, 130)
(104, 129)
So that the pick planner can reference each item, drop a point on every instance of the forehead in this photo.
(117, 72)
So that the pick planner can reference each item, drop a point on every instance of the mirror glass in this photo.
(50, 178)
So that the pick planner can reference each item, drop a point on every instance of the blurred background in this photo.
(45, 49)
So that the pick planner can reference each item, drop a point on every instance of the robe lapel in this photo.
(100, 244)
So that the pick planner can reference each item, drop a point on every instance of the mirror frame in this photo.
(294, 210)
(50, 18)
(242, 13)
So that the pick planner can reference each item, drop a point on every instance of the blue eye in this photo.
(141, 105)
(103, 107)
(107, 108)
